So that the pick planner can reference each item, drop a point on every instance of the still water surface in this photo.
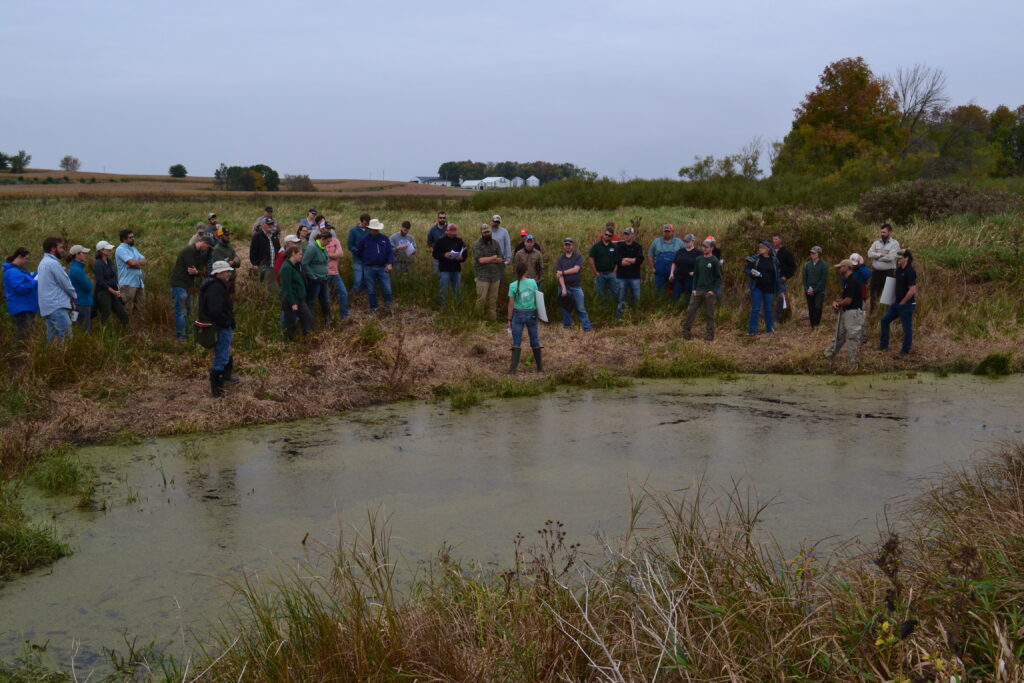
(832, 453)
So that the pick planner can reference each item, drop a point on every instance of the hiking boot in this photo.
(228, 369)
(217, 383)
(537, 358)
(514, 365)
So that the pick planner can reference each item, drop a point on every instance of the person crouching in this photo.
(215, 308)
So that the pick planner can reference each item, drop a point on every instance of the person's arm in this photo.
(561, 282)
(874, 252)
(540, 268)
(511, 305)
(651, 255)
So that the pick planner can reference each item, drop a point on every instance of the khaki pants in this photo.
(487, 297)
(132, 297)
(849, 329)
(708, 300)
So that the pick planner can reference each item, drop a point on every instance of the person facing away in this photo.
(522, 312)
(185, 275)
(850, 307)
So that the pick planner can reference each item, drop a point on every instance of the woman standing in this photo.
(293, 294)
(763, 271)
(107, 296)
(22, 293)
(83, 286)
(815, 283)
(522, 310)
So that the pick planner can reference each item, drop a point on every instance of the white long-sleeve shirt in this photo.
(883, 255)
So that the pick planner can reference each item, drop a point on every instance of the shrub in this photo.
(995, 364)
(177, 171)
(801, 228)
(932, 199)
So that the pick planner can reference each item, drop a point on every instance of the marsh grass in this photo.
(62, 473)
(24, 544)
(692, 591)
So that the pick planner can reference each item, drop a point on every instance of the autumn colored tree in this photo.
(852, 114)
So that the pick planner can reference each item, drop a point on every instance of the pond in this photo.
(831, 453)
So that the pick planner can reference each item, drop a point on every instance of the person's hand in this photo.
(387, 268)
(671, 277)
(565, 292)
(295, 307)
(192, 271)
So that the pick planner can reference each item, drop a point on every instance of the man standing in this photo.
(215, 308)
(850, 306)
(883, 255)
(489, 263)
(567, 270)
(263, 250)
(531, 256)
(404, 245)
(187, 267)
(815, 278)
(681, 274)
(266, 219)
(787, 269)
(502, 237)
(223, 251)
(763, 271)
(377, 256)
(707, 275)
(449, 252)
(56, 293)
(356, 234)
(903, 308)
(604, 257)
(660, 256)
(436, 232)
(631, 256)
(130, 263)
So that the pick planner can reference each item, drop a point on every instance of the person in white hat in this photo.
(83, 286)
(215, 308)
(107, 295)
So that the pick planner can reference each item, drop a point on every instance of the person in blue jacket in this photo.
(377, 255)
(83, 286)
(21, 290)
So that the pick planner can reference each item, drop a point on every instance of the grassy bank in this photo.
(692, 592)
(123, 385)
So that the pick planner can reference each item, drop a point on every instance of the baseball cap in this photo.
(524, 232)
(221, 231)
(495, 218)
(690, 237)
(845, 262)
(291, 238)
(530, 237)
(815, 250)
(103, 244)
(904, 253)
(78, 249)
(268, 209)
(629, 231)
(210, 215)
(484, 227)
(764, 243)
(568, 240)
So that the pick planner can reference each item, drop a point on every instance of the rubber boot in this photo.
(216, 383)
(228, 368)
(537, 358)
(514, 365)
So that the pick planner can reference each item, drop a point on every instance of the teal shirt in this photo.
(523, 294)
(314, 261)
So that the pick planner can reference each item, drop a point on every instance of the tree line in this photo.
(457, 171)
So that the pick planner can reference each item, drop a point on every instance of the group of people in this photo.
(302, 270)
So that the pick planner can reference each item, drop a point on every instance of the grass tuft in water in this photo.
(995, 364)
(60, 473)
(24, 545)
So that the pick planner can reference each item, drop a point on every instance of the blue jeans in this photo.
(661, 283)
(372, 276)
(182, 305)
(761, 300)
(447, 280)
(528, 318)
(577, 300)
(357, 275)
(682, 286)
(905, 312)
(58, 324)
(606, 284)
(336, 286)
(316, 290)
(222, 349)
(632, 286)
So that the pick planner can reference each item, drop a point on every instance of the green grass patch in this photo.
(995, 364)
(60, 473)
(682, 367)
(23, 544)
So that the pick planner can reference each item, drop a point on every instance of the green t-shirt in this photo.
(523, 294)
(606, 256)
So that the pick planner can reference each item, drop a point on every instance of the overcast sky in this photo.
(356, 89)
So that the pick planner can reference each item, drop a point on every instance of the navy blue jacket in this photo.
(375, 250)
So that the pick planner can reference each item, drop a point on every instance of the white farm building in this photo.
(472, 185)
(495, 182)
(533, 181)
(431, 180)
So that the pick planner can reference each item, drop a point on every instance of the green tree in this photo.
(271, 179)
(20, 161)
(5, 161)
(177, 171)
(852, 113)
